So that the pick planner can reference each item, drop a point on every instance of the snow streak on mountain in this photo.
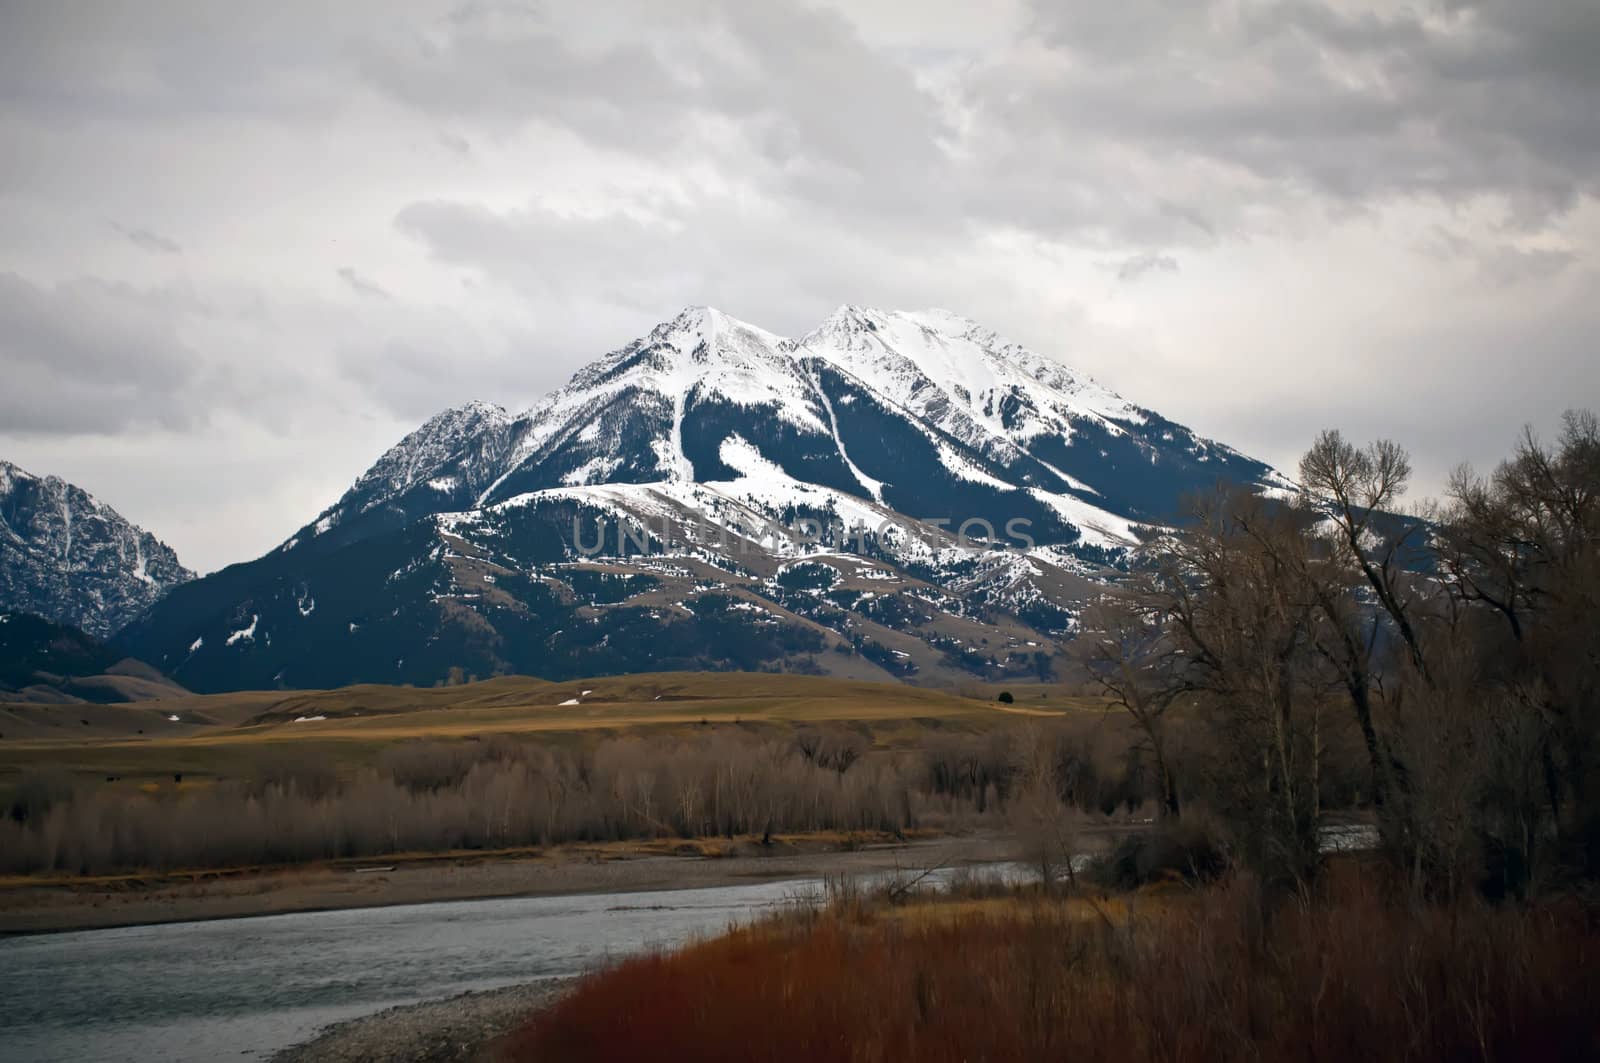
(892, 493)
(72, 559)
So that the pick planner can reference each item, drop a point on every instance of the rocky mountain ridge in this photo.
(68, 557)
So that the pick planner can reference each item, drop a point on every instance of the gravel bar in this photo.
(456, 1030)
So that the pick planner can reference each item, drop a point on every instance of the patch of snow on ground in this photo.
(965, 470)
(245, 633)
(592, 471)
(1099, 527)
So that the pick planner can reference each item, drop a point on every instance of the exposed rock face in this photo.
(70, 558)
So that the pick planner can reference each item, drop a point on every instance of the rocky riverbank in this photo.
(27, 906)
(461, 1029)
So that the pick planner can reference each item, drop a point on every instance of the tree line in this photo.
(1457, 639)
(438, 795)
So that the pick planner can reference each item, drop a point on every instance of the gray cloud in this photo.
(360, 285)
(1128, 120)
(783, 93)
(507, 65)
(1497, 261)
(145, 240)
(1358, 191)
(455, 142)
(1135, 266)
(91, 357)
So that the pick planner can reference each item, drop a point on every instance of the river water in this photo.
(242, 988)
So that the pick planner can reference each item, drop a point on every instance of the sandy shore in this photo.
(84, 905)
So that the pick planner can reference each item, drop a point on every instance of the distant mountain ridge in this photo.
(45, 662)
(68, 557)
(462, 548)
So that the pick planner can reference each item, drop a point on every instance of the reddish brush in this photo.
(1345, 977)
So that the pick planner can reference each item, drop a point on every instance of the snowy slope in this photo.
(960, 375)
(644, 413)
(928, 406)
(1055, 428)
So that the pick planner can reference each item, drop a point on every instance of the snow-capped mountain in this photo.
(442, 466)
(70, 558)
(900, 493)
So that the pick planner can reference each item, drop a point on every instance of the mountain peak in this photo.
(426, 448)
(861, 322)
(718, 331)
(448, 460)
(69, 557)
(10, 473)
(475, 410)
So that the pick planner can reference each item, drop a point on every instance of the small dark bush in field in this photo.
(1182, 850)
(1006, 698)
(38, 792)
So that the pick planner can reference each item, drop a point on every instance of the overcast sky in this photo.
(246, 247)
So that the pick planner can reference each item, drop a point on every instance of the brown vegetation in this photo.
(1340, 974)
(505, 792)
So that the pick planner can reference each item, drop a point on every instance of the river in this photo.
(244, 988)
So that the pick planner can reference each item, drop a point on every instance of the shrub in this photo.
(1176, 850)
(37, 792)
(1340, 975)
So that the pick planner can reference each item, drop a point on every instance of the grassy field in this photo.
(141, 745)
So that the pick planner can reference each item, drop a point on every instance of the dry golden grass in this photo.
(228, 735)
